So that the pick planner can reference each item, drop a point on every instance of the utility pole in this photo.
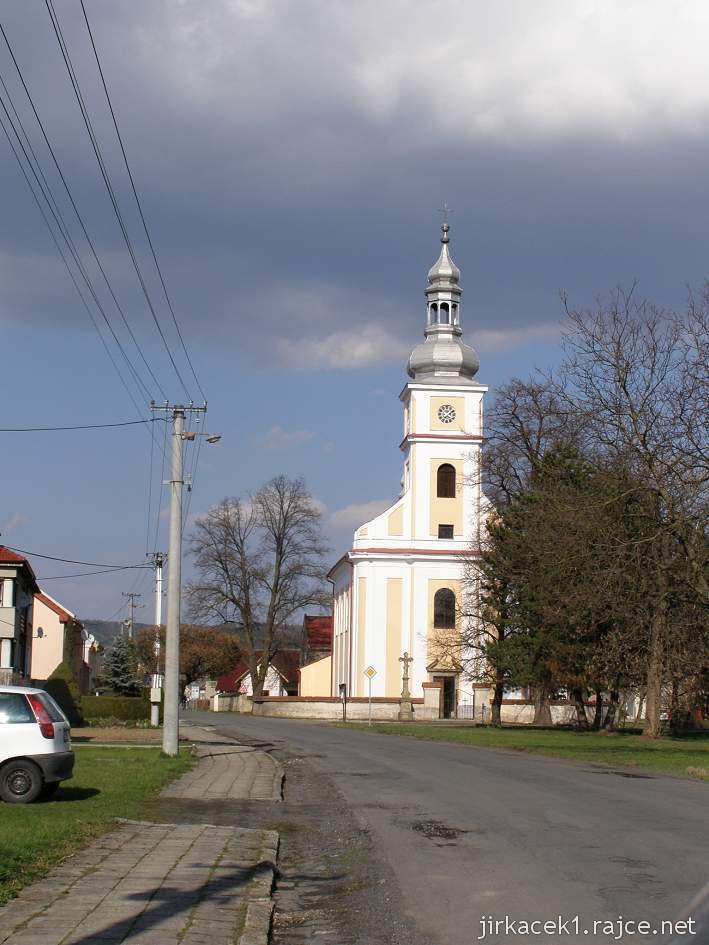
(158, 559)
(132, 597)
(171, 700)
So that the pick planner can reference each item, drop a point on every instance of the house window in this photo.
(6, 595)
(445, 481)
(445, 531)
(444, 609)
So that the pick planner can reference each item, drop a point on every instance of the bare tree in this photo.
(259, 562)
(640, 378)
(593, 573)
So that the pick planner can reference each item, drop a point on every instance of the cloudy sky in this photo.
(291, 159)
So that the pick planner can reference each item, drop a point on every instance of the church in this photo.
(398, 589)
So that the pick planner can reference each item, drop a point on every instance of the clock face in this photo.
(446, 413)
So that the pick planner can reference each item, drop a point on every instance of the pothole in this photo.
(435, 830)
(629, 774)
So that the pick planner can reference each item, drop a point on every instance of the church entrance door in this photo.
(447, 703)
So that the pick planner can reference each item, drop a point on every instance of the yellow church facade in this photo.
(400, 586)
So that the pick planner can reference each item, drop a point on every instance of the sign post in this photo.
(370, 672)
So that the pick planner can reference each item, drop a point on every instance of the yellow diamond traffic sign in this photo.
(370, 672)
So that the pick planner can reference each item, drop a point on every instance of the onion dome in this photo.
(443, 355)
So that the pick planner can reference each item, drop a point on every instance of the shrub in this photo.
(64, 689)
(123, 708)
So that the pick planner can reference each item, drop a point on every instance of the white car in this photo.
(35, 745)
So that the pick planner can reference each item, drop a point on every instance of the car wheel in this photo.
(49, 789)
(20, 782)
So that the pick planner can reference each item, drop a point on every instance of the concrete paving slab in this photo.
(227, 771)
(189, 894)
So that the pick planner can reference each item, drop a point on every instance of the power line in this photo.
(106, 179)
(192, 478)
(150, 499)
(61, 577)
(46, 192)
(137, 200)
(72, 248)
(63, 230)
(68, 269)
(162, 486)
(85, 426)
(82, 224)
(138, 582)
(87, 564)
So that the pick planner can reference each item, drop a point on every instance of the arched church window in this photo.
(444, 609)
(445, 481)
(454, 313)
(445, 314)
(434, 312)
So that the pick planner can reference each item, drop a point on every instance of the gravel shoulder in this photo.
(332, 886)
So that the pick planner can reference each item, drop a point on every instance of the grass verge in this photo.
(687, 757)
(107, 783)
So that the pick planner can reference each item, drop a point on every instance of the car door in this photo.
(18, 726)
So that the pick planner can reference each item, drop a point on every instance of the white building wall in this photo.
(415, 555)
(341, 625)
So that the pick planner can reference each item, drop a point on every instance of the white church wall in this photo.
(341, 577)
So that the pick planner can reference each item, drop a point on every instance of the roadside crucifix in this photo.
(406, 711)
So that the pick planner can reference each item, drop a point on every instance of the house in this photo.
(58, 637)
(93, 657)
(281, 677)
(18, 585)
(317, 637)
(316, 661)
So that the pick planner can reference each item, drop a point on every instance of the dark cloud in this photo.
(291, 158)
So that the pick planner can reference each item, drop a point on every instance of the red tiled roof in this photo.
(64, 615)
(7, 556)
(318, 632)
(229, 682)
(286, 663)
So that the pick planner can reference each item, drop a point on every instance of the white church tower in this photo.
(400, 584)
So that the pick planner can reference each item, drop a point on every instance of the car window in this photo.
(14, 708)
(53, 710)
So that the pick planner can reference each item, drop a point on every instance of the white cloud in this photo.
(279, 439)
(356, 514)
(507, 339)
(363, 346)
(478, 69)
(13, 523)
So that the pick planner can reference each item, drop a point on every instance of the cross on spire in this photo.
(445, 210)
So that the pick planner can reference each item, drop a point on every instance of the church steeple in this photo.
(443, 292)
(443, 357)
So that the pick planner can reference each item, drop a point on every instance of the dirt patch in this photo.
(117, 735)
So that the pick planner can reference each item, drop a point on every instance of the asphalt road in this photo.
(470, 832)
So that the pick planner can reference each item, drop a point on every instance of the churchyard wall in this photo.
(318, 707)
(515, 712)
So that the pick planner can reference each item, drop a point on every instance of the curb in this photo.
(257, 924)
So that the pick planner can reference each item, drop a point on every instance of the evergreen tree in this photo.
(120, 668)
